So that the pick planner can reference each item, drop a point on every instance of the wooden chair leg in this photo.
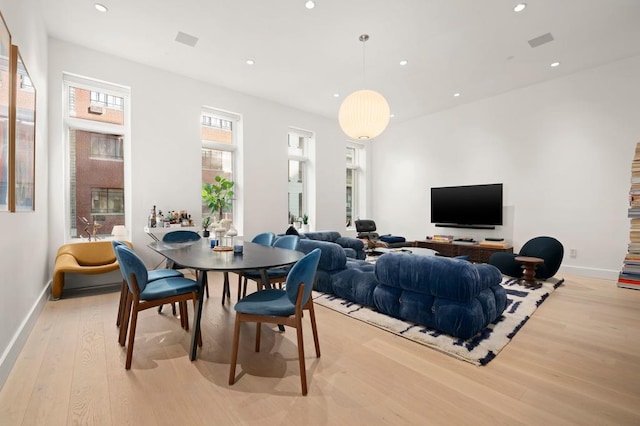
(123, 298)
(303, 371)
(132, 334)
(125, 319)
(258, 332)
(314, 328)
(234, 350)
(173, 309)
(184, 317)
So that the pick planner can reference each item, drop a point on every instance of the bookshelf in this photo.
(630, 274)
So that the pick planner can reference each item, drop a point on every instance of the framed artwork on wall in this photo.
(22, 136)
(5, 97)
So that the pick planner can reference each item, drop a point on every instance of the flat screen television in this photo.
(470, 206)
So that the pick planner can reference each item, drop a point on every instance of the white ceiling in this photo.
(302, 57)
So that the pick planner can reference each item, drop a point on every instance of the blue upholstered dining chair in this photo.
(180, 236)
(285, 307)
(152, 275)
(264, 239)
(276, 275)
(142, 294)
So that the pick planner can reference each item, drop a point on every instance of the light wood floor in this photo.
(577, 361)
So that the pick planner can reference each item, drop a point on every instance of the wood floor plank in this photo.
(576, 361)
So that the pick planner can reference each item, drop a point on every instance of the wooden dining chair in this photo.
(285, 307)
(264, 239)
(142, 294)
(154, 274)
(277, 276)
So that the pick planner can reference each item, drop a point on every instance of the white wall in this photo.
(165, 154)
(563, 150)
(24, 235)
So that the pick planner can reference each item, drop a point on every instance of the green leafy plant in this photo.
(305, 219)
(218, 195)
(206, 222)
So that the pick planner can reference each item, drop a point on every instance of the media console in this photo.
(477, 253)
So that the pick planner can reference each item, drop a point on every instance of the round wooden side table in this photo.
(529, 265)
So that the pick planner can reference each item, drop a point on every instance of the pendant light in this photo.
(364, 114)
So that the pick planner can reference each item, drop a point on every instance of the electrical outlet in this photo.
(573, 253)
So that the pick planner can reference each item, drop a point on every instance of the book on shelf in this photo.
(494, 244)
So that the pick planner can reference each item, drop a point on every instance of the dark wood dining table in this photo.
(198, 255)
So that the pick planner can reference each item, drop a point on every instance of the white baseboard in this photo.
(14, 348)
(605, 274)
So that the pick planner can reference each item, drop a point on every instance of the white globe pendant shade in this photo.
(364, 114)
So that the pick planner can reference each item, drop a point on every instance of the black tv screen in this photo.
(479, 205)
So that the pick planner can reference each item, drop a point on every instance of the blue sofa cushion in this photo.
(452, 295)
(392, 239)
(332, 256)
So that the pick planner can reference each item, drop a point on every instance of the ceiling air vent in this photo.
(96, 110)
(540, 40)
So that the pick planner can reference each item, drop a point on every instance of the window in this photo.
(219, 141)
(355, 183)
(96, 151)
(106, 100)
(107, 201)
(298, 146)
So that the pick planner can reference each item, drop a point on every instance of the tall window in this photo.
(95, 142)
(355, 183)
(298, 148)
(218, 132)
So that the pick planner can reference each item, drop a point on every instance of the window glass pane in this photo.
(96, 181)
(95, 106)
(296, 190)
(297, 144)
(5, 45)
(350, 196)
(214, 129)
(351, 156)
(216, 163)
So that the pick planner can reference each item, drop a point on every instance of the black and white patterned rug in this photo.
(480, 349)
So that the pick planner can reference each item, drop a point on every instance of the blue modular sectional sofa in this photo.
(451, 295)
(353, 247)
(351, 279)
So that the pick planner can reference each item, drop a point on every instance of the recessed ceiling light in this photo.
(100, 7)
(455, 95)
(250, 62)
(336, 95)
(520, 7)
(310, 4)
(555, 64)
(392, 115)
(404, 62)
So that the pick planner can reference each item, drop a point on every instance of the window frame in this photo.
(304, 161)
(232, 148)
(358, 193)
(70, 123)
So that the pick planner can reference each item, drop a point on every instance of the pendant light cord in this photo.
(363, 38)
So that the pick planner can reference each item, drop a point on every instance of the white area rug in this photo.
(480, 349)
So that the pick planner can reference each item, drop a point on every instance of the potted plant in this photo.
(206, 221)
(218, 195)
(305, 223)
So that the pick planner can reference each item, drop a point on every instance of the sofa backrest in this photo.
(444, 277)
(332, 256)
(93, 253)
(331, 236)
